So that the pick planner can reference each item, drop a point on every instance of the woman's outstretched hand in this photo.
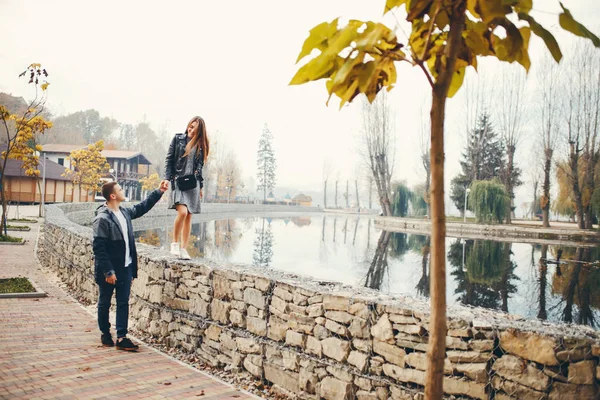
(164, 185)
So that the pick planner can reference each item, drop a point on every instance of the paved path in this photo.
(49, 349)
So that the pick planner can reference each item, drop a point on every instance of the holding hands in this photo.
(164, 185)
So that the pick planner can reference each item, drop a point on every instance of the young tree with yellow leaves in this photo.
(27, 149)
(446, 37)
(87, 166)
(150, 182)
(21, 131)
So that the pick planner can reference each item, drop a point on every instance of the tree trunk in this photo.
(382, 183)
(510, 151)
(357, 199)
(590, 183)
(347, 196)
(546, 189)
(533, 205)
(436, 352)
(42, 193)
(325, 194)
(3, 221)
(574, 166)
(370, 193)
(336, 194)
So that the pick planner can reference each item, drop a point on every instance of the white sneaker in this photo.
(183, 254)
(175, 249)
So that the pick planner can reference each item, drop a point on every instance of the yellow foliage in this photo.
(360, 57)
(150, 182)
(24, 147)
(88, 165)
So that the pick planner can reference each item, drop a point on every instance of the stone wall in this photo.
(316, 339)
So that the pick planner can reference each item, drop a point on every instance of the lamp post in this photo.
(113, 174)
(43, 212)
(466, 198)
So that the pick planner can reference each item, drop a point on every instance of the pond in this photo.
(350, 249)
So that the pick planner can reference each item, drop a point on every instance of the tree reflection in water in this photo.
(578, 283)
(425, 249)
(485, 279)
(543, 281)
(379, 265)
(263, 245)
(396, 245)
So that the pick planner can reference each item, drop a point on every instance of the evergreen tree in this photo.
(483, 159)
(266, 163)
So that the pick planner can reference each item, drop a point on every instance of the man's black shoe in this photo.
(126, 344)
(107, 340)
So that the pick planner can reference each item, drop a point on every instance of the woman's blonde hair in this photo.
(198, 141)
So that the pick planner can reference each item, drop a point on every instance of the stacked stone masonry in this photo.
(322, 341)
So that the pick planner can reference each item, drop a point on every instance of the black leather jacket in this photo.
(174, 161)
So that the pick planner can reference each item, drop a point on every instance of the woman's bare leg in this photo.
(182, 212)
(187, 227)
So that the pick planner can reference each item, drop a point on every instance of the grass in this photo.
(16, 285)
(25, 227)
(8, 238)
(460, 219)
(22, 220)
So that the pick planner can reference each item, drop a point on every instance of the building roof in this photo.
(126, 154)
(68, 148)
(61, 148)
(302, 198)
(54, 171)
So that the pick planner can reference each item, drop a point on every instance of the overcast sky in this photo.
(230, 62)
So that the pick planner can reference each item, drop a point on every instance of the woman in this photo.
(186, 157)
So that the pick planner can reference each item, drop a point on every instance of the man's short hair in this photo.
(107, 189)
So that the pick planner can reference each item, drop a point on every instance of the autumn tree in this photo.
(327, 169)
(266, 163)
(510, 114)
(231, 175)
(88, 166)
(20, 129)
(564, 204)
(27, 151)
(583, 129)
(150, 182)
(377, 147)
(548, 108)
(446, 37)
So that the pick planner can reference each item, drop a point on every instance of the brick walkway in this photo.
(49, 349)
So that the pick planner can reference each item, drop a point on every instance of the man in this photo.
(116, 258)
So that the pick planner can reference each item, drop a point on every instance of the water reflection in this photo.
(579, 285)
(484, 272)
(518, 278)
(379, 265)
(263, 245)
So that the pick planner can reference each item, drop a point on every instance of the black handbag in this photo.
(186, 182)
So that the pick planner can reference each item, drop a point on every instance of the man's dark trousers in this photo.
(123, 289)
